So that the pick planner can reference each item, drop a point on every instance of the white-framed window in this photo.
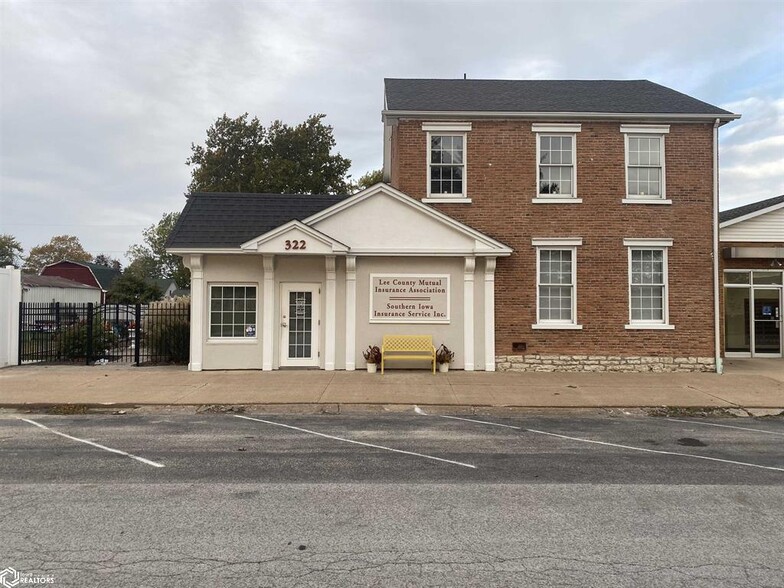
(556, 162)
(645, 163)
(233, 310)
(446, 164)
(446, 161)
(648, 283)
(556, 283)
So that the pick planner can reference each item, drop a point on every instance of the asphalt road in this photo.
(555, 499)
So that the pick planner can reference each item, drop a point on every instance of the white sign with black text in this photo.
(409, 298)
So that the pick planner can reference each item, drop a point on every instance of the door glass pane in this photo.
(300, 315)
(737, 334)
(767, 321)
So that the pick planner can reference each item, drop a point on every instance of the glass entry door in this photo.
(767, 322)
(299, 325)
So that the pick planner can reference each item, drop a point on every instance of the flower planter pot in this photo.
(443, 367)
(372, 368)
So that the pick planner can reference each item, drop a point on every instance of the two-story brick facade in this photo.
(555, 226)
(606, 224)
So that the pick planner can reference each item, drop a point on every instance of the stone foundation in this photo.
(602, 363)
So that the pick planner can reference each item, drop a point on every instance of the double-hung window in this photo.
(645, 169)
(556, 283)
(648, 284)
(446, 161)
(556, 162)
(232, 311)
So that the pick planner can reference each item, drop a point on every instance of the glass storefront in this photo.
(753, 313)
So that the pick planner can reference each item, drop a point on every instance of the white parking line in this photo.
(99, 446)
(631, 447)
(727, 427)
(466, 465)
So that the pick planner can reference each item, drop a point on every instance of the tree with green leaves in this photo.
(371, 178)
(150, 259)
(59, 248)
(10, 251)
(241, 155)
(131, 288)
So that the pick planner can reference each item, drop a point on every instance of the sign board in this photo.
(409, 298)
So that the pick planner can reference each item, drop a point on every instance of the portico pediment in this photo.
(384, 221)
(295, 237)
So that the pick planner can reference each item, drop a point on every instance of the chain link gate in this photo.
(140, 334)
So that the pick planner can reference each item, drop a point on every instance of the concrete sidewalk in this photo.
(747, 383)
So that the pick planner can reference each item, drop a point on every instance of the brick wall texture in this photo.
(501, 182)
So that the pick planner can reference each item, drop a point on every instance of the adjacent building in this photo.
(90, 274)
(752, 263)
(527, 225)
(54, 289)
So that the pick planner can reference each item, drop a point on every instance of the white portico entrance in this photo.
(333, 283)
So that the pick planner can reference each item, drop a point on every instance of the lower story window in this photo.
(648, 285)
(556, 286)
(232, 311)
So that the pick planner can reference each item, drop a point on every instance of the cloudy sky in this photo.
(101, 100)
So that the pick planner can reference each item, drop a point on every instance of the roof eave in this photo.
(681, 117)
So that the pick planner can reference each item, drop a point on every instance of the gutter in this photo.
(716, 276)
(391, 114)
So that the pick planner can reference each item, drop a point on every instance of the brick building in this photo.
(562, 225)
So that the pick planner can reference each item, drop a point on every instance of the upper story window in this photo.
(556, 162)
(446, 161)
(447, 165)
(645, 169)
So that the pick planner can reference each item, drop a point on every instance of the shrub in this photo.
(72, 341)
(166, 332)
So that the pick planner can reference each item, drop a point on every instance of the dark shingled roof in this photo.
(221, 219)
(104, 275)
(595, 96)
(749, 208)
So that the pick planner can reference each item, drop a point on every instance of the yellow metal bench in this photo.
(408, 347)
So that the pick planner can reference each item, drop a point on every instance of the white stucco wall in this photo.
(240, 353)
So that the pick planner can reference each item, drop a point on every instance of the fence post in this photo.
(21, 333)
(137, 334)
(89, 332)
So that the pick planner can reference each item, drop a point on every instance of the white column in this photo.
(329, 315)
(268, 313)
(195, 263)
(468, 313)
(351, 312)
(490, 314)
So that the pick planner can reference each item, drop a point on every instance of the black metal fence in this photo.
(140, 334)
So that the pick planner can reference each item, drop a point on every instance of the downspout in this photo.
(716, 276)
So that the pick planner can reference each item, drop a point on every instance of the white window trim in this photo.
(463, 197)
(231, 340)
(556, 128)
(632, 130)
(662, 245)
(564, 245)
(447, 127)
(556, 198)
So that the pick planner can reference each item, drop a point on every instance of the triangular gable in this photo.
(295, 237)
(382, 220)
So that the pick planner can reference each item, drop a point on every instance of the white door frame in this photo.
(315, 338)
